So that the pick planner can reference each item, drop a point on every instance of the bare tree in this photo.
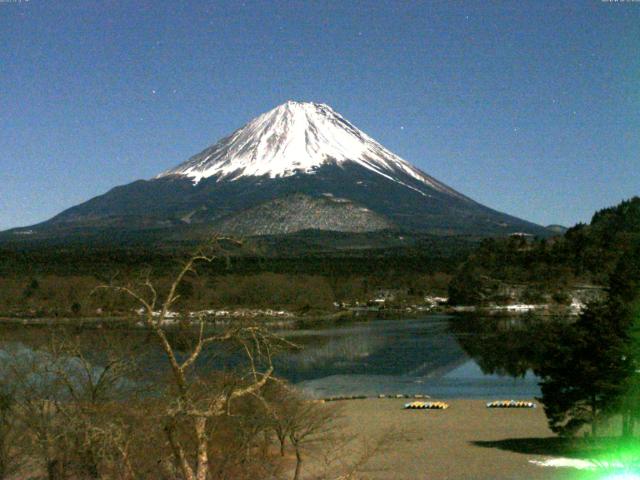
(34, 397)
(305, 423)
(310, 424)
(10, 434)
(362, 453)
(195, 405)
(64, 403)
(100, 439)
(314, 431)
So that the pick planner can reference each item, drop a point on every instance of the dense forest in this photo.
(521, 268)
(300, 273)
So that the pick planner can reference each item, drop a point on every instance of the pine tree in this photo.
(583, 372)
(593, 366)
(624, 303)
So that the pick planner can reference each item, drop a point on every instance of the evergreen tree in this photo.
(624, 303)
(593, 367)
(583, 371)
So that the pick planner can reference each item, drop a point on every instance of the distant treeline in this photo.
(440, 254)
(47, 279)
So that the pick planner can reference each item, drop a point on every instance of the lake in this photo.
(421, 356)
(437, 355)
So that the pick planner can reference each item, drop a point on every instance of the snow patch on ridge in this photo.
(298, 137)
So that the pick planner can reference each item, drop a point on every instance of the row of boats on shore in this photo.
(434, 405)
(418, 405)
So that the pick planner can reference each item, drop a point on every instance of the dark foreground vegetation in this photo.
(93, 407)
(70, 412)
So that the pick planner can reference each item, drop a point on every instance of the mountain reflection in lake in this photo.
(438, 355)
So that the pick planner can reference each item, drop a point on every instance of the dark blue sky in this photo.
(530, 107)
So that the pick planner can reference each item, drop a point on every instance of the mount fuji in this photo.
(300, 166)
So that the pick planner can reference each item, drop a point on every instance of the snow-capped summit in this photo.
(298, 137)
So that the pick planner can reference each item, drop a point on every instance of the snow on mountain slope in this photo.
(298, 137)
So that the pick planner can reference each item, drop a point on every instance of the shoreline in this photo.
(291, 320)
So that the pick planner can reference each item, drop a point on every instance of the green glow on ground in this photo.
(621, 476)
(611, 458)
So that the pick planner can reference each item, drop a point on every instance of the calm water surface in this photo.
(404, 356)
(437, 355)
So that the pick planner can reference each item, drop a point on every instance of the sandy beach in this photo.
(466, 441)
